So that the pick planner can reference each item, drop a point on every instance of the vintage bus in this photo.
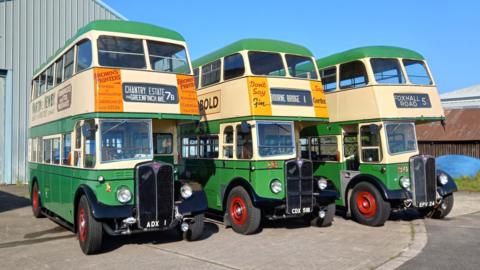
(375, 96)
(254, 100)
(102, 134)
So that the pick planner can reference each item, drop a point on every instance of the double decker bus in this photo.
(375, 96)
(102, 134)
(254, 99)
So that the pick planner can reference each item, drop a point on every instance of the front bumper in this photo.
(118, 220)
(403, 197)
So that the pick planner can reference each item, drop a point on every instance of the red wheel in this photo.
(244, 217)
(82, 225)
(366, 204)
(238, 211)
(36, 205)
(90, 231)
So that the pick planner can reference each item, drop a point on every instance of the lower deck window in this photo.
(162, 143)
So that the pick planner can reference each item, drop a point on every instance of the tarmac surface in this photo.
(29, 243)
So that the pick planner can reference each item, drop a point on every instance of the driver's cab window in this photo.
(370, 143)
(77, 154)
(244, 141)
(89, 133)
(228, 142)
(350, 150)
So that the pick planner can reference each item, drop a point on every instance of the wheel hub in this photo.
(238, 211)
(82, 225)
(366, 204)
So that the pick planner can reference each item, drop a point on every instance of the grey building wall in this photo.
(30, 32)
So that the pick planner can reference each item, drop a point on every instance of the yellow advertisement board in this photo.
(108, 90)
(319, 100)
(259, 94)
(187, 94)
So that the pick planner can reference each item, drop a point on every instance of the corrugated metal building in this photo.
(31, 31)
(459, 136)
(463, 98)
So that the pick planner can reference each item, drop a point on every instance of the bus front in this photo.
(376, 95)
(255, 96)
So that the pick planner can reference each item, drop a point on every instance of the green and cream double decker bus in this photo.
(102, 134)
(254, 100)
(375, 96)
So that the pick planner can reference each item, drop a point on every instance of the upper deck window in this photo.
(387, 71)
(301, 66)
(266, 63)
(84, 55)
(233, 66)
(120, 52)
(329, 78)
(68, 64)
(211, 73)
(168, 57)
(49, 77)
(353, 75)
(417, 72)
(59, 71)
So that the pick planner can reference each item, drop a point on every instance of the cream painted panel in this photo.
(352, 104)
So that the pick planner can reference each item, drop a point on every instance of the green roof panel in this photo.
(268, 45)
(370, 51)
(127, 27)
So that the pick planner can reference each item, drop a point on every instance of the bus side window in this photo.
(353, 75)
(304, 148)
(47, 151)
(162, 143)
(370, 139)
(208, 147)
(67, 149)
(350, 150)
(211, 73)
(68, 64)
(40, 150)
(84, 55)
(56, 151)
(329, 79)
(323, 148)
(244, 142)
(228, 142)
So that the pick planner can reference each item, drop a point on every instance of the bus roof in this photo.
(127, 27)
(253, 44)
(369, 51)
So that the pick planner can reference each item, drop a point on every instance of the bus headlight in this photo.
(123, 194)
(405, 182)
(322, 183)
(443, 179)
(276, 186)
(186, 191)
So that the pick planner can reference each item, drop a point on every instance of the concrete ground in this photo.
(29, 243)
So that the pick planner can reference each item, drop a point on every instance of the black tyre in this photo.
(368, 206)
(244, 217)
(89, 230)
(440, 211)
(195, 229)
(36, 201)
(327, 219)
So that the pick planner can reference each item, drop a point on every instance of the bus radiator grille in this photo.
(424, 182)
(299, 186)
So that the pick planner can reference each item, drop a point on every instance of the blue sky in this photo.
(447, 33)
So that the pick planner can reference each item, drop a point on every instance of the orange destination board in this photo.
(108, 90)
(187, 94)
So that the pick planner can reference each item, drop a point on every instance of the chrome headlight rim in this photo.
(124, 195)
(186, 191)
(322, 183)
(405, 182)
(442, 179)
(276, 186)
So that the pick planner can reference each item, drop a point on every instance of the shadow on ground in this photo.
(10, 201)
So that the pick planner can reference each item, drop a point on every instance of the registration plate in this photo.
(301, 210)
(426, 204)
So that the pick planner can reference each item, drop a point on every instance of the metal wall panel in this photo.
(30, 32)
